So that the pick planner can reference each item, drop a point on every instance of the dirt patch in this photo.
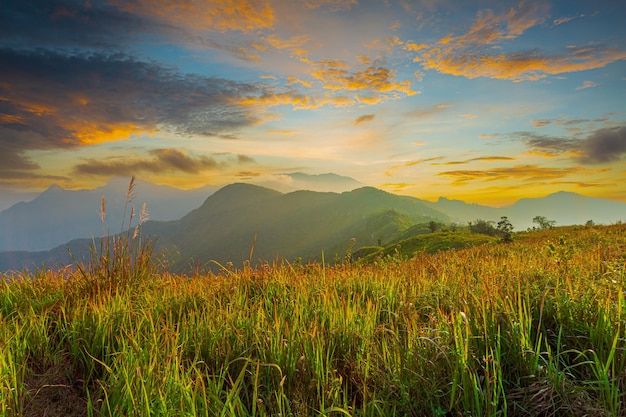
(54, 390)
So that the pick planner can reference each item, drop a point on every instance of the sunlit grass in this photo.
(534, 327)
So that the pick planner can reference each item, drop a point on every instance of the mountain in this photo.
(298, 224)
(241, 218)
(565, 208)
(286, 183)
(58, 215)
(10, 197)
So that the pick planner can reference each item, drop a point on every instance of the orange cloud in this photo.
(291, 80)
(469, 55)
(412, 46)
(390, 171)
(520, 172)
(295, 42)
(335, 76)
(89, 133)
(216, 15)
(479, 159)
(296, 100)
(518, 66)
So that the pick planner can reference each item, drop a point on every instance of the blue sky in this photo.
(484, 101)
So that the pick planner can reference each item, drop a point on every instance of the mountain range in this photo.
(240, 219)
(58, 215)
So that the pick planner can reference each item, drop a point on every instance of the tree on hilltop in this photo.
(543, 222)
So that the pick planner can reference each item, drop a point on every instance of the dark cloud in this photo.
(52, 100)
(245, 159)
(69, 23)
(604, 145)
(552, 145)
(160, 161)
(601, 146)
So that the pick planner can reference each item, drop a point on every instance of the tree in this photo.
(543, 222)
(505, 229)
(483, 227)
(433, 226)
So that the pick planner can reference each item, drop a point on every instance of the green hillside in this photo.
(241, 218)
(426, 243)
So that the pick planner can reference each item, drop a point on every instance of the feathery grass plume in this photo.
(121, 259)
(130, 194)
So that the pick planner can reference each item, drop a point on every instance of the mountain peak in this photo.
(54, 188)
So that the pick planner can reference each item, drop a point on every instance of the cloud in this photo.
(539, 123)
(548, 145)
(115, 24)
(335, 75)
(333, 5)
(159, 161)
(587, 84)
(479, 159)
(600, 147)
(429, 111)
(566, 19)
(391, 170)
(471, 54)
(520, 172)
(604, 145)
(216, 15)
(52, 100)
(364, 118)
(68, 23)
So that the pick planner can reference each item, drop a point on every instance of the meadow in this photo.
(535, 327)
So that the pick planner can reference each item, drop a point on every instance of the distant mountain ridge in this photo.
(241, 217)
(58, 215)
(566, 208)
(238, 218)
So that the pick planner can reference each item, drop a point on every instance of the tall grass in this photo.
(535, 327)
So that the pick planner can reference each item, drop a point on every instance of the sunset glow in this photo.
(485, 102)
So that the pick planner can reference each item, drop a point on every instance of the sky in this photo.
(483, 101)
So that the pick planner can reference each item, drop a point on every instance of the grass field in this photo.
(531, 328)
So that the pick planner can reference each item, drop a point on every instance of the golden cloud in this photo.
(296, 100)
(335, 76)
(520, 172)
(215, 15)
(479, 159)
(295, 42)
(291, 80)
(469, 55)
(390, 171)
